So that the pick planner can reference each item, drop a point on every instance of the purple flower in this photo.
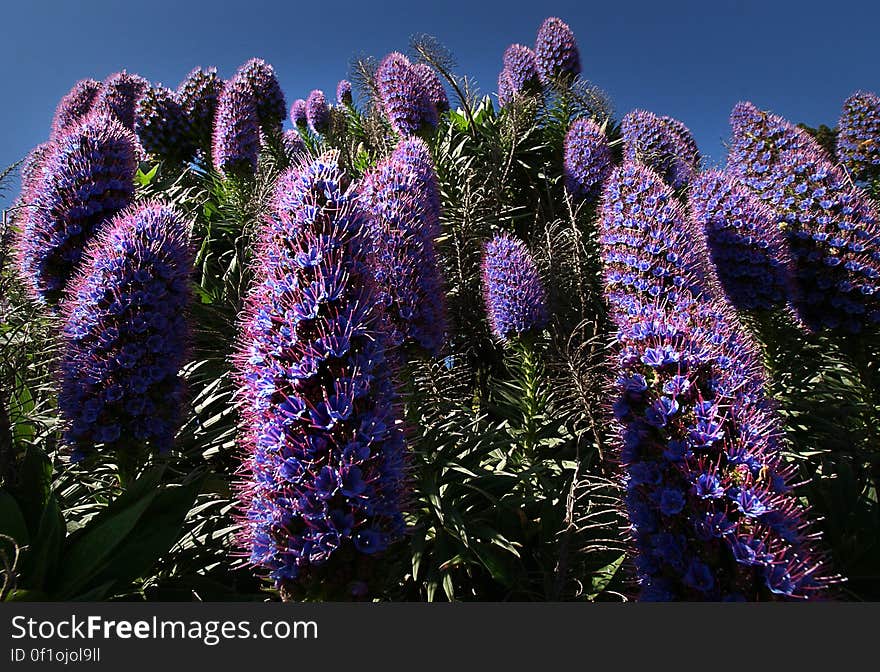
(126, 335)
(858, 141)
(832, 228)
(235, 145)
(586, 159)
(298, 113)
(260, 77)
(162, 126)
(432, 85)
(294, 146)
(198, 95)
(119, 96)
(699, 444)
(324, 476)
(520, 65)
(403, 96)
(687, 146)
(343, 92)
(401, 195)
(75, 105)
(505, 89)
(556, 52)
(512, 289)
(317, 112)
(661, 146)
(86, 177)
(747, 248)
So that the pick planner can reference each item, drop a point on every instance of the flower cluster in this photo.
(294, 146)
(516, 302)
(260, 78)
(666, 148)
(858, 141)
(434, 88)
(832, 228)
(126, 335)
(162, 126)
(343, 92)
(298, 113)
(235, 143)
(198, 94)
(75, 105)
(119, 96)
(556, 52)
(747, 248)
(403, 95)
(324, 476)
(317, 112)
(708, 497)
(400, 194)
(87, 176)
(586, 159)
(520, 64)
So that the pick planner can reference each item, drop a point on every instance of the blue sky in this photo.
(692, 59)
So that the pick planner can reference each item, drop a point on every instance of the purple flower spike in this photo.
(832, 228)
(522, 68)
(294, 146)
(433, 86)
(401, 194)
(506, 92)
(343, 92)
(708, 495)
(162, 126)
(586, 159)
(512, 289)
(75, 105)
(119, 96)
(267, 93)
(87, 176)
(556, 52)
(298, 113)
(318, 112)
(747, 248)
(126, 335)
(651, 141)
(858, 142)
(404, 97)
(199, 94)
(687, 146)
(323, 483)
(235, 143)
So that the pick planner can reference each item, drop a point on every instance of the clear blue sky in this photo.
(692, 59)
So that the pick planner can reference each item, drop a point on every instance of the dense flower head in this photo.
(506, 92)
(294, 145)
(126, 335)
(708, 496)
(403, 95)
(317, 112)
(587, 159)
(324, 475)
(119, 96)
(199, 94)
(516, 302)
(235, 144)
(858, 140)
(401, 195)
(832, 228)
(747, 248)
(556, 52)
(86, 177)
(75, 105)
(298, 113)
(520, 65)
(343, 92)
(162, 126)
(653, 142)
(687, 146)
(433, 86)
(647, 244)
(271, 106)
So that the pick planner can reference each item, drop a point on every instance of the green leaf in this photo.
(11, 520)
(46, 549)
(144, 179)
(33, 485)
(601, 578)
